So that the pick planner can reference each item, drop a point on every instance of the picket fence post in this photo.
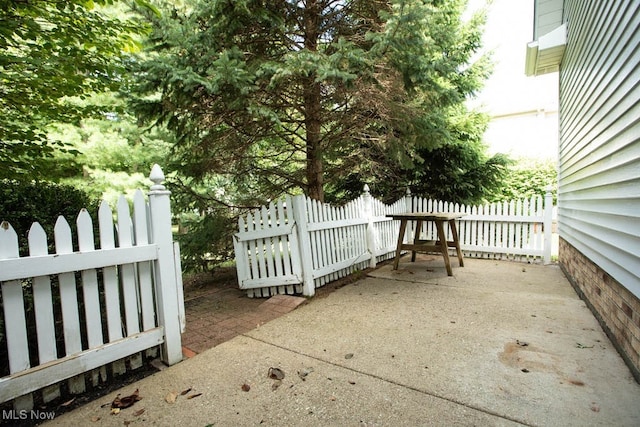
(371, 229)
(165, 274)
(548, 224)
(300, 217)
(408, 206)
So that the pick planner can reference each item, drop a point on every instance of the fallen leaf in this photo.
(194, 395)
(245, 387)
(276, 373)
(171, 397)
(138, 412)
(68, 402)
(125, 402)
(185, 391)
(115, 411)
(304, 373)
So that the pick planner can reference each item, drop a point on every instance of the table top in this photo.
(427, 216)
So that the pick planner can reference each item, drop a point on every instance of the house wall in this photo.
(526, 134)
(547, 17)
(599, 164)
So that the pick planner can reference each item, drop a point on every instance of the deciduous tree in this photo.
(52, 54)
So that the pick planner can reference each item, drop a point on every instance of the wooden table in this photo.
(441, 245)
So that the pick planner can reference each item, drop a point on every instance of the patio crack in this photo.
(396, 383)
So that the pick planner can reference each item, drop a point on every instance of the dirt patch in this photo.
(199, 284)
(528, 358)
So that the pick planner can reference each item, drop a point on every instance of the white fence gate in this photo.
(299, 244)
(90, 307)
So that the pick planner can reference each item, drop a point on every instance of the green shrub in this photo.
(23, 203)
(206, 241)
(527, 178)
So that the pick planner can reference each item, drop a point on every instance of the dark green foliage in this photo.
(292, 96)
(458, 170)
(267, 98)
(205, 241)
(528, 178)
(23, 203)
(459, 173)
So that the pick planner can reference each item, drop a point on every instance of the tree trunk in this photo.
(315, 180)
(313, 108)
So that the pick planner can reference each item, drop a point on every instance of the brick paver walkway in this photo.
(217, 312)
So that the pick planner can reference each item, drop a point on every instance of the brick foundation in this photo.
(617, 309)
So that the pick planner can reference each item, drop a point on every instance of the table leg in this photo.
(416, 238)
(454, 233)
(444, 246)
(403, 227)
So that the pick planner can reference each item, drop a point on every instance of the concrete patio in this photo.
(499, 343)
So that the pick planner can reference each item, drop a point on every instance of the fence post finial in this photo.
(157, 176)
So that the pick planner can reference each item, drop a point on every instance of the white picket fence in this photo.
(297, 244)
(92, 308)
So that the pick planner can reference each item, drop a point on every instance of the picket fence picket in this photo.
(77, 345)
(68, 302)
(14, 315)
(129, 282)
(331, 242)
(43, 309)
(90, 290)
(144, 272)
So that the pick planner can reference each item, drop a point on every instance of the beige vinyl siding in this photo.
(599, 158)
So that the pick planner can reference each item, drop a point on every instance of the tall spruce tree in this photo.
(285, 95)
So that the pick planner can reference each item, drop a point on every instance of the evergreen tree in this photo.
(286, 96)
(459, 170)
